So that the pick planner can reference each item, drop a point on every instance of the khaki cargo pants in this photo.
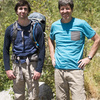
(24, 74)
(72, 80)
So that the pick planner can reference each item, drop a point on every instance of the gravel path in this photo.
(4, 95)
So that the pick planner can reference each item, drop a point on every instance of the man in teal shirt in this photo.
(69, 35)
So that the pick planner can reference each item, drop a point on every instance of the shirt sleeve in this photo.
(41, 42)
(6, 47)
(52, 36)
(88, 31)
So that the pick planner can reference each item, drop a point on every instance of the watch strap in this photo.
(90, 57)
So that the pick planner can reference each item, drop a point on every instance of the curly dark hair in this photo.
(22, 3)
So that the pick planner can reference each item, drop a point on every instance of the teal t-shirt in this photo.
(70, 38)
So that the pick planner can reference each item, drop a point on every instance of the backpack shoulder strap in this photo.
(32, 29)
(14, 31)
(14, 35)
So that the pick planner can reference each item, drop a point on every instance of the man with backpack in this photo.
(67, 57)
(27, 57)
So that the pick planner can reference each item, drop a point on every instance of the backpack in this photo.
(37, 18)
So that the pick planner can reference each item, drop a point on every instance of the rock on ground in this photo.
(44, 94)
(4, 95)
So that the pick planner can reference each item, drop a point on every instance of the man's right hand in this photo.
(53, 62)
(10, 74)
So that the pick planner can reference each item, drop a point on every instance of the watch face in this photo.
(90, 57)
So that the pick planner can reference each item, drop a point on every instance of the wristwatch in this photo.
(90, 57)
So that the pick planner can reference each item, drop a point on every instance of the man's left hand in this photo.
(37, 75)
(83, 62)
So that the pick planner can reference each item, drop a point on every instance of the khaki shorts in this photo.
(24, 74)
(72, 80)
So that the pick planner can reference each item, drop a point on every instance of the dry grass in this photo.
(92, 78)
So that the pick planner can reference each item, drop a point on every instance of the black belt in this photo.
(23, 57)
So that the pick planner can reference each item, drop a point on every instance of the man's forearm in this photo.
(95, 46)
(51, 48)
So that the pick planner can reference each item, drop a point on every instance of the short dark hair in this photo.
(65, 2)
(22, 3)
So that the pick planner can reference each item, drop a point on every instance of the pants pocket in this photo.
(34, 57)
